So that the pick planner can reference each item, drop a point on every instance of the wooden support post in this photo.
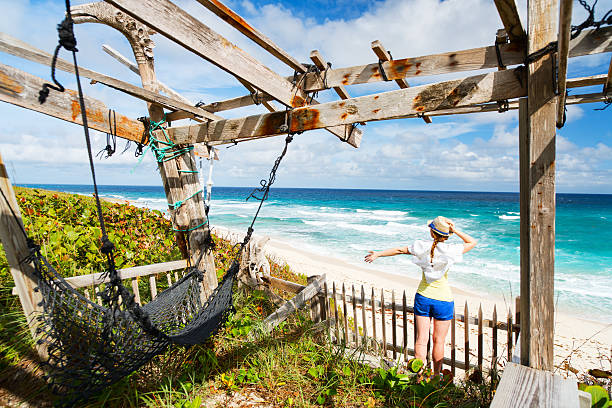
(373, 304)
(517, 315)
(466, 335)
(315, 303)
(480, 338)
(344, 315)
(16, 248)
(336, 319)
(453, 351)
(363, 318)
(393, 325)
(537, 116)
(179, 175)
(494, 338)
(565, 20)
(355, 325)
(405, 323)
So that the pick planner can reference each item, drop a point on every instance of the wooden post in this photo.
(384, 328)
(480, 338)
(494, 357)
(193, 235)
(466, 334)
(337, 323)
(355, 326)
(344, 315)
(517, 315)
(509, 333)
(363, 318)
(405, 322)
(315, 303)
(537, 117)
(373, 304)
(453, 357)
(393, 325)
(565, 19)
(16, 248)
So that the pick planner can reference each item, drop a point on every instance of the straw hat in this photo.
(441, 226)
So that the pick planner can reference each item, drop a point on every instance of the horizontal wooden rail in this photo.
(127, 273)
(281, 284)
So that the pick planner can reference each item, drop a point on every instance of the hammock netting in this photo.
(90, 347)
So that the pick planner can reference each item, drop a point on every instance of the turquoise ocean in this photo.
(345, 224)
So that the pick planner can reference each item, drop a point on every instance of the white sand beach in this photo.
(583, 344)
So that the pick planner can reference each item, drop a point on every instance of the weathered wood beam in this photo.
(21, 89)
(296, 303)
(565, 21)
(587, 43)
(134, 68)
(16, 249)
(608, 85)
(320, 62)
(21, 49)
(537, 133)
(512, 22)
(586, 81)
(388, 105)
(187, 31)
(240, 24)
(384, 55)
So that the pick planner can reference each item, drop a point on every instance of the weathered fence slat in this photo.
(336, 313)
(169, 279)
(466, 334)
(405, 328)
(509, 335)
(494, 357)
(384, 328)
(355, 326)
(394, 325)
(363, 318)
(373, 304)
(517, 314)
(153, 286)
(480, 338)
(136, 290)
(453, 357)
(344, 313)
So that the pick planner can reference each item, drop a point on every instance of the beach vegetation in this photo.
(296, 365)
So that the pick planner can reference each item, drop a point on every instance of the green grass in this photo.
(294, 366)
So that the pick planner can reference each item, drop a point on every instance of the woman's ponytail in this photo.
(437, 238)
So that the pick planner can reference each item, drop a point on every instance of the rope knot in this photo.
(107, 246)
(65, 30)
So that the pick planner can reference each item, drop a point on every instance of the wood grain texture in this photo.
(537, 168)
(388, 105)
(232, 18)
(522, 386)
(565, 20)
(187, 31)
(509, 15)
(608, 85)
(296, 303)
(21, 49)
(587, 43)
(21, 89)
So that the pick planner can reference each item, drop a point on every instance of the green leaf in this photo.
(599, 396)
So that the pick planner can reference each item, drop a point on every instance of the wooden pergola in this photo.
(525, 70)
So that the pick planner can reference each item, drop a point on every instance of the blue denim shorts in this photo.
(438, 309)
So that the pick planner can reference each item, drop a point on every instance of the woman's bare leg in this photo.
(439, 335)
(420, 345)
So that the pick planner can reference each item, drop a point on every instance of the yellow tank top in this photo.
(438, 290)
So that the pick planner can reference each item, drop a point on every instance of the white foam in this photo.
(509, 217)
(315, 223)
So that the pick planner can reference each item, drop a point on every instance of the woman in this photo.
(434, 298)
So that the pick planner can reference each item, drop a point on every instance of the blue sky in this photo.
(464, 152)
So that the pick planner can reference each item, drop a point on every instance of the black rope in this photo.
(590, 20)
(383, 74)
(145, 136)
(110, 137)
(256, 97)
(607, 104)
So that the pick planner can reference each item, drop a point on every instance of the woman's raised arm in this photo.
(372, 255)
(468, 242)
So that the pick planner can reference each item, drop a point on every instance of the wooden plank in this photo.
(355, 326)
(136, 291)
(587, 81)
(134, 68)
(388, 105)
(177, 25)
(565, 20)
(315, 307)
(21, 49)
(537, 193)
(509, 338)
(393, 325)
(296, 303)
(512, 22)
(453, 359)
(15, 248)
(405, 323)
(240, 24)
(373, 306)
(344, 315)
(384, 326)
(325, 315)
(320, 62)
(517, 316)
(608, 85)
(522, 386)
(587, 43)
(363, 318)
(466, 335)
(336, 321)
(153, 286)
(480, 338)
(281, 284)
(21, 89)
(126, 273)
(494, 338)
(169, 279)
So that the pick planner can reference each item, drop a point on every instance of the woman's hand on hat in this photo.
(370, 257)
(451, 227)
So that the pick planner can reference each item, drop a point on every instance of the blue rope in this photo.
(180, 202)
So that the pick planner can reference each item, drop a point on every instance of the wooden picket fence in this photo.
(383, 326)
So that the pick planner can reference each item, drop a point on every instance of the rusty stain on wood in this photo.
(9, 84)
(304, 119)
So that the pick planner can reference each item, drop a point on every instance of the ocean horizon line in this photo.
(28, 185)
